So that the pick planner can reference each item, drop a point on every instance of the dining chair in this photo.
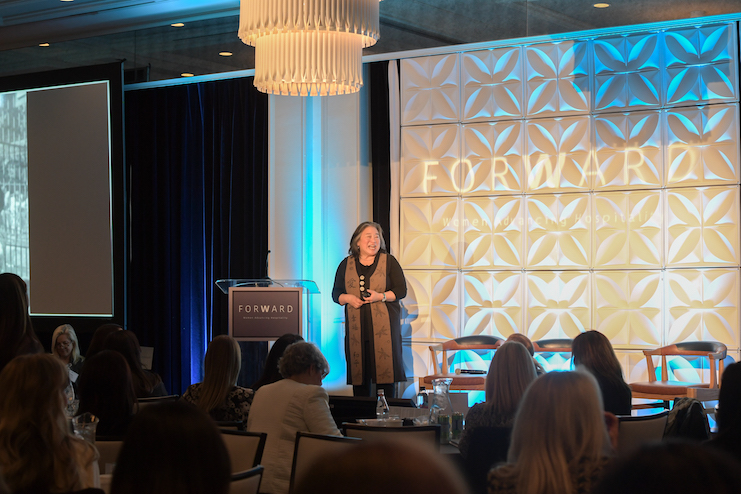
(310, 446)
(636, 431)
(108, 451)
(247, 482)
(442, 368)
(245, 448)
(665, 390)
(428, 434)
(234, 425)
(144, 402)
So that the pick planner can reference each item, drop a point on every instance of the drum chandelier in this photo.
(309, 47)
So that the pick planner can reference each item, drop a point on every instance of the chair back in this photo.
(637, 431)
(309, 447)
(245, 448)
(108, 450)
(714, 351)
(144, 402)
(553, 345)
(473, 342)
(427, 434)
(233, 425)
(247, 482)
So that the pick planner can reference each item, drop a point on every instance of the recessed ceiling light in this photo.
(178, 24)
(226, 53)
(43, 44)
(601, 5)
(186, 74)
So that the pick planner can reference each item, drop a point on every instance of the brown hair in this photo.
(593, 350)
(17, 336)
(221, 366)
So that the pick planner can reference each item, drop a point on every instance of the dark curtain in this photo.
(197, 174)
(380, 144)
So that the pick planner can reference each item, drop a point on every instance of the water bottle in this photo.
(423, 399)
(382, 407)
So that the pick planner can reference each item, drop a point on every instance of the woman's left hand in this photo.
(374, 296)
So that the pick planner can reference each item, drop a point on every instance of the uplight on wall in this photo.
(309, 47)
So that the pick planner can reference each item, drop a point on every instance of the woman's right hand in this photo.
(352, 300)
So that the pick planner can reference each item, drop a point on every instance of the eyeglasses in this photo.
(64, 343)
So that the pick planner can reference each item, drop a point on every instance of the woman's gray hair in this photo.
(354, 249)
(300, 357)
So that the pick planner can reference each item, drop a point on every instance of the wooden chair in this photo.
(245, 448)
(247, 482)
(666, 390)
(428, 434)
(554, 345)
(637, 431)
(309, 447)
(460, 381)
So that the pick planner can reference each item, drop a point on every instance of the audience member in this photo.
(106, 390)
(521, 338)
(560, 443)
(96, 344)
(486, 438)
(65, 347)
(218, 395)
(296, 403)
(369, 468)
(172, 448)
(38, 454)
(593, 351)
(672, 466)
(146, 383)
(270, 374)
(17, 336)
(728, 415)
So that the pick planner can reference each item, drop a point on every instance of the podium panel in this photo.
(264, 313)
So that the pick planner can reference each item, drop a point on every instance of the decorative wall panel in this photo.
(558, 78)
(702, 145)
(584, 184)
(557, 304)
(430, 230)
(701, 64)
(628, 230)
(628, 151)
(493, 232)
(559, 155)
(558, 231)
(492, 303)
(627, 72)
(492, 84)
(430, 90)
(702, 226)
(628, 307)
(492, 158)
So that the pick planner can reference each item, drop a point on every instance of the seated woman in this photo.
(147, 384)
(485, 439)
(560, 443)
(296, 403)
(17, 336)
(593, 351)
(218, 395)
(38, 453)
(65, 347)
(270, 374)
(172, 448)
(96, 343)
(106, 390)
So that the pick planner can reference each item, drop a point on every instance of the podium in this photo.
(265, 309)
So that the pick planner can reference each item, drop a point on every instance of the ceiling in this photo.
(86, 32)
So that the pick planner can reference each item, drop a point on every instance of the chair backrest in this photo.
(636, 431)
(247, 482)
(553, 345)
(309, 447)
(144, 402)
(245, 448)
(108, 454)
(428, 434)
(235, 425)
(473, 342)
(712, 350)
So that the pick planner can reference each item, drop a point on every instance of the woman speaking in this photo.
(369, 283)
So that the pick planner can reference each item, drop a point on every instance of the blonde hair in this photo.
(70, 332)
(37, 451)
(510, 374)
(221, 366)
(559, 424)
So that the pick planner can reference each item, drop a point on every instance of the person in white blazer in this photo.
(296, 403)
